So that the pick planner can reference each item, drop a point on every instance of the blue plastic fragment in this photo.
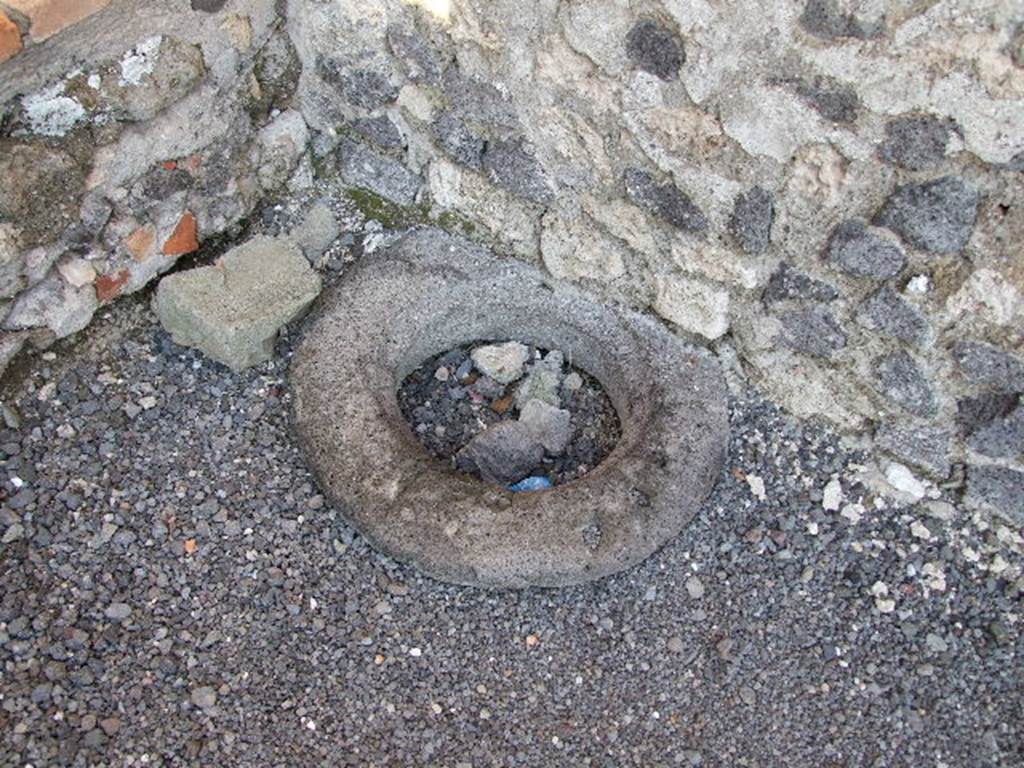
(530, 484)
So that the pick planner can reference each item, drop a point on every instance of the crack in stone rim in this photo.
(457, 528)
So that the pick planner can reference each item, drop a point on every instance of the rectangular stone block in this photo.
(48, 17)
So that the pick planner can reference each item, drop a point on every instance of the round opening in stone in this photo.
(510, 413)
(428, 294)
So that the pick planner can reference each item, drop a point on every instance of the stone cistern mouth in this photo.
(430, 292)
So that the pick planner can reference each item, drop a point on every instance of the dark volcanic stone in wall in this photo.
(916, 142)
(751, 222)
(787, 283)
(859, 252)
(976, 413)
(887, 312)
(666, 201)
(511, 165)
(208, 6)
(40, 190)
(900, 380)
(830, 98)
(936, 216)
(418, 58)
(824, 19)
(479, 102)
(655, 49)
(925, 447)
(458, 141)
(366, 88)
(380, 131)
(989, 366)
(1001, 487)
(812, 330)
(362, 168)
(1003, 437)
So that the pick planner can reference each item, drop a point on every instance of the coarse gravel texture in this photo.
(176, 592)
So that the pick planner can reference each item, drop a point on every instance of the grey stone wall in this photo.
(830, 193)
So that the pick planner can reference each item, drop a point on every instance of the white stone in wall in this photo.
(693, 305)
(717, 263)
(988, 297)
(768, 121)
(597, 30)
(576, 249)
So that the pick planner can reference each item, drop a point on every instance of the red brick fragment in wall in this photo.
(10, 37)
(48, 17)
(185, 238)
(108, 287)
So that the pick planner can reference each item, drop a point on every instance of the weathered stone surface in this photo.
(152, 76)
(53, 304)
(76, 272)
(366, 88)
(458, 141)
(208, 6)
(813, 330)
(916, 142)
(549, 425)
(41, 190)
(233, 310)
(924, 447)
(542, 382)
(751, 222)
(1001, 438)
(419, 59)
(512, 166)
(380, 131)
(666, 201)
(655, 49)
(998, 487)
(887, 312)
(319, 228)
(479, 101)
(502, 362)
(863, 252)
(936, 216)
(694, 306)
(824, 19)
(11, 279)
(787, 283)
(277, 69)
(989, 366)
(360, 167)
(576, 249)
(830, 98)
(670, 399)
(282, 142)
(503, 453)
(976, 413)
(900, 380)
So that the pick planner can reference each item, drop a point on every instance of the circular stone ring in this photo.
(430, 292)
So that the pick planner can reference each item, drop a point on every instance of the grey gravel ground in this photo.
(176, 592)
